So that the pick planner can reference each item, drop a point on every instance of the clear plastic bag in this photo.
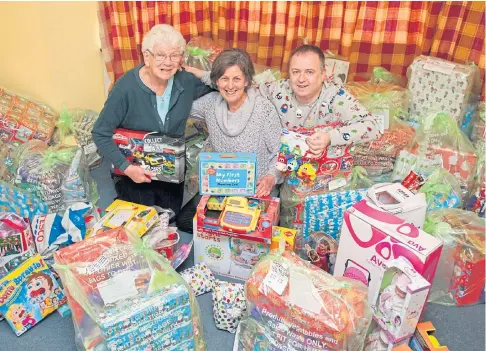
(294, 305)
(200, 53)
(265, 75)
(475, 200)
(438, 143)
(7, 169)
(442, 190)
(460, 276)
(124, 295)
(196, 135)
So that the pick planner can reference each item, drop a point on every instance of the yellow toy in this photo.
(240, 215)
(288, 235)
(216, 203)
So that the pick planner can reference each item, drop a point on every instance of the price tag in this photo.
(121, 286)
(302, 294)
(277, 278)
(383, 119)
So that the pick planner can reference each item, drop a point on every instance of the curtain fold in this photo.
(369, 34)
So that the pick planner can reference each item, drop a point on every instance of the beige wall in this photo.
(50, 51)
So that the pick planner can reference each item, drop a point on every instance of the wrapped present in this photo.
(21, 202)
(200, 278)
(460, 276)
(265, 75)
(200, 52)
(438, 143)
(16, 242)
(228, 305)
(22, 119)
(125, 296)
(292, 304)
(438, 85)
(478, 132)
(337, 68)
(29, 294)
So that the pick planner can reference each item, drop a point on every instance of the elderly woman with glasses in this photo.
(238, 120)
(155, 96)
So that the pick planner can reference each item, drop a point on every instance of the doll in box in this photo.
(392, 299)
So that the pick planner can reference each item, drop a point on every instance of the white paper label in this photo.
(439, 66)
(300, 293)
(277, 278)
(121, 286)
(383, 119)
(90, 148)
(337, 183)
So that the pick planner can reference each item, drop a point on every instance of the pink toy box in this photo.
(231, 240)
(371, 238)
(400, 300)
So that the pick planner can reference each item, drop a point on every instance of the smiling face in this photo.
(306, 76)
(163, 61)
(232, 86)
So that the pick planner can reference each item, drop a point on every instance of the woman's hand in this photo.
(196, 71)
(138, 174)
(318, 142)
(265, 185)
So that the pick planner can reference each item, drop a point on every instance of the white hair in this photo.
(163, 34)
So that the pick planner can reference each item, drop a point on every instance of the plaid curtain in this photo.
(388, 34)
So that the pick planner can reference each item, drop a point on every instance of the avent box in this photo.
(396, 199)
(371, 238)
(223, 235)
(400, 300)
(226, 174)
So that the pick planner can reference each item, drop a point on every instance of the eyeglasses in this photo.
(161, 58)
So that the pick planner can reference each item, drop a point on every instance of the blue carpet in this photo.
(460, 329)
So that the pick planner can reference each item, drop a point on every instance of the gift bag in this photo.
(460, 275)
(22, 120)
(293, 305)
(124, 296)
(228, 305)
(442, 190)
(200, 53)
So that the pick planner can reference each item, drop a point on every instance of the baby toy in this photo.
(392, 299)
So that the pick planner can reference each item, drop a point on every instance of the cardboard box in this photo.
(138, 219)
(153, 151)
(227, 174)
(371, 238)
(223, 240)
(396, 199)
(400, 300)
(287, 234)
(424, 339)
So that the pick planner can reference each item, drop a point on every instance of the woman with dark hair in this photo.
(238, 120)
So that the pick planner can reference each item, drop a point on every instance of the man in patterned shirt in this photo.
(307, 100)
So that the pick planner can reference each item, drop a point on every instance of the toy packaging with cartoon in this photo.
(401, 297)
(320, 249)
(293, 305)
(460, 277)
(285, 234)
(233, 235)
(29, 294)
(372, 237)
(16, 242)
(124, 296)
(155, 152)
(227, 174)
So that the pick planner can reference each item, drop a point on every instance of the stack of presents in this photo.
(345, 259)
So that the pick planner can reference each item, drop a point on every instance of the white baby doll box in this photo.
(400, 300)
(377, 339)
(396, 199)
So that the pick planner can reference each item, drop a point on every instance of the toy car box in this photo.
(153, 151)
(232, 235)
(371, 238)
(400, 301)
(138, 219)
(227, 174)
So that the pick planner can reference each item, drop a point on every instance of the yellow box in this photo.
(288, 234)
(136, 218)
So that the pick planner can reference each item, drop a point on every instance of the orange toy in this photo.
(295, 305)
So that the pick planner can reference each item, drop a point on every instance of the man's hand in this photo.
(196, 71)
(138, 174)
(318, 142)
(265, 185)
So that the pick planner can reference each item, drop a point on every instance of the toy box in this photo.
(396, 199)
(279, 233)
(29, 294)
(377, 339)
(16, 242)
(424, 339)
(138, 219)
(153, 151)
(227, 174)
(230, 241)
(401, 297)
(371, 238)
